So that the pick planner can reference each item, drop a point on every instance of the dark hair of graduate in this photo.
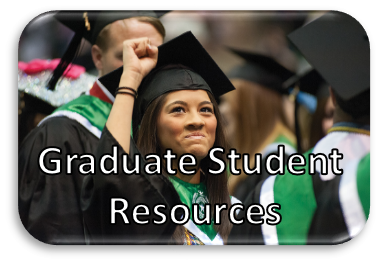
(147, 142)
(316, 131)
(356, 107)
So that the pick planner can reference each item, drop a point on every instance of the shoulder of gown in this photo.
(49, 205)
(136, 189)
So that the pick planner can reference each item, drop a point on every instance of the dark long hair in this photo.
(356, 107)
(216, 185)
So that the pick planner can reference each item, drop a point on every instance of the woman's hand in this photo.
(139, 58)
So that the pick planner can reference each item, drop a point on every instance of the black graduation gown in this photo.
(246, 186)
(328, 224)
(49, 205)
(150, 190)
(322, 229)
(249, 191)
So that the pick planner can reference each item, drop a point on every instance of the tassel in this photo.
(66, 59)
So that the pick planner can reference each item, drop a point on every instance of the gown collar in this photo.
(350, 127)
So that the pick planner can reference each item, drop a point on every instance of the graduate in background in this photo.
(314, 117)
(49, 206)
(36, 100)
(259, 114)
(322, 119)
(337, 46)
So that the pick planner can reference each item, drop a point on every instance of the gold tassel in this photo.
(87, 24)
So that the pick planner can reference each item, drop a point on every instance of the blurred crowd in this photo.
(252, 31)
(281, 98)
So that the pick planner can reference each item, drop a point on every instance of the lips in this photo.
(195, 135)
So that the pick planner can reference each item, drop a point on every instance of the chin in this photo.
(198, 152)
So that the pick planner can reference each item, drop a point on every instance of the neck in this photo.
(193, 179)
(341, 116)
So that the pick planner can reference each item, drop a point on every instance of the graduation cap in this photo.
(261, 69)
(91, 23)
(32, 80)
(309, 81)
(88, 25)
(200, 72)
(337, 46)
(309, 86)
(313, 83)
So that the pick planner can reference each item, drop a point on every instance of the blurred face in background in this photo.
(110, 58)
(228, 112)
(327, 121)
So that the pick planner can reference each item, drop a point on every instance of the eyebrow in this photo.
(185, 104)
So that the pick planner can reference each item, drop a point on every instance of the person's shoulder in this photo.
(234, 200)
(56, 131)
(365, 160)
(59, 124)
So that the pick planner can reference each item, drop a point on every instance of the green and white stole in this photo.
(90, 110)
(289, 147)
(195, 194)
(296, 194)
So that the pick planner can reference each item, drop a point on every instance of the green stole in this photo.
(194, 194)
(281, 139)
(93, 109)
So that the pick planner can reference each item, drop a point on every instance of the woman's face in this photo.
(187, 123)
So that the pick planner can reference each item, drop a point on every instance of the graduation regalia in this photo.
(309, 202)
(297, 193)
(35, 97)
(314, 95)
(342, 208)
(244, 188)
(49, 205)
(142, 188)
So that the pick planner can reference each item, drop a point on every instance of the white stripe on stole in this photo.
(77, 117)
(353, 212)
(351, 145)
(269, 233)
(202, 236)
(105, 91)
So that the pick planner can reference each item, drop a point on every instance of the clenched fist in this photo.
(139, 58)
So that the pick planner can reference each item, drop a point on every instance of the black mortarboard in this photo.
(183, 50)
(88, 25)
(309, 81)
(337, 46)
(97, 20)
(261, 69)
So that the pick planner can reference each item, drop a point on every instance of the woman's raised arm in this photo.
(139, 58)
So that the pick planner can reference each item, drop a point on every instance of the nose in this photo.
(195, 120)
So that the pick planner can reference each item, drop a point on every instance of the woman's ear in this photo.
(97, 54)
